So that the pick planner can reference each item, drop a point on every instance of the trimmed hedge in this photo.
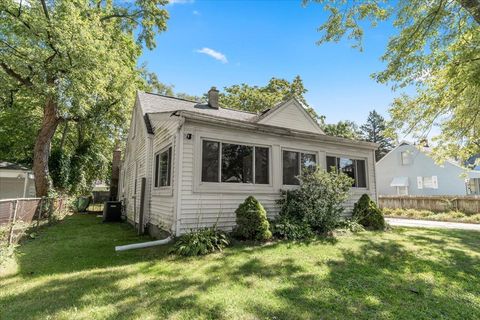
(368, 214)
(252, 223)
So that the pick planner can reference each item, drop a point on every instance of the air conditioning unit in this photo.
(112, 211)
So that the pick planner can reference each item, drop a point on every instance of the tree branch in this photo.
(472, 7)
(25, 81)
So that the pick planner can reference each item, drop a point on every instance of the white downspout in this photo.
(178, 176)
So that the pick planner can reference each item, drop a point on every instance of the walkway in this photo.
(432, 224)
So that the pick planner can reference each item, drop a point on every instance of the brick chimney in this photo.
(213, 98)
(117, 156)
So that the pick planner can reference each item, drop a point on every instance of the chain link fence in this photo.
(18, 215)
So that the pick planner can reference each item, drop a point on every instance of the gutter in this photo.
(195, 116)
(178, 172)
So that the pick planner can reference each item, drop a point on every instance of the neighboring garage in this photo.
(16, 181)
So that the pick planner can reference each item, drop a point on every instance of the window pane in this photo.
(361, 174)
(210, 155)
(157, 164)
(291, 168)
(261, 165)
(331, 164)
(237, 163)
(347, 166)
(165, 168)
(309, 161)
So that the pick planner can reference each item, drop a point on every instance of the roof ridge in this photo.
(187, 100)
(171, 97)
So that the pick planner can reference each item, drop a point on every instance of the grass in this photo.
(453, 216)
(71, 271)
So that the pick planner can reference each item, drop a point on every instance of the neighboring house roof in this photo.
(11, 166)
(470, 173)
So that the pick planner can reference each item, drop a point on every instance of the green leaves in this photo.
(437, 52)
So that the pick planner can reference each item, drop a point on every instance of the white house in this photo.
(16, 181)
(409, 170)
(197, 162)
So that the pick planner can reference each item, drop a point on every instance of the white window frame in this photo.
(367, 180)
(229, 187)
(170, 178)
(316, 153)
(406, 155)
(400, 193)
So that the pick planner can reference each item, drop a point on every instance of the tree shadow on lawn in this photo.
(384, 280)
(80, 243)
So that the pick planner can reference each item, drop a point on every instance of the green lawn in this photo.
(71, 271)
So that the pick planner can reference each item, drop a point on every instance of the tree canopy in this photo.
(259, 98)
(73, 62)
(436, 51)
(374, 130)
(343, 129)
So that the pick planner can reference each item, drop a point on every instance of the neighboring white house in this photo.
(409, 170)
(198, 162)
(16, 181)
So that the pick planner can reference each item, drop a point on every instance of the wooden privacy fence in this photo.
(466, 204)
(17, 215)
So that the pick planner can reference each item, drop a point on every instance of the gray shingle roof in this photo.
(153, 103)
(11, 166)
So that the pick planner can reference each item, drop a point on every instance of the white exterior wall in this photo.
(134, 166)
(204, 204)
(292, 115)
(12, 184)
(449, 176)
(162, 200)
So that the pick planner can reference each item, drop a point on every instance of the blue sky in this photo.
(253, 41)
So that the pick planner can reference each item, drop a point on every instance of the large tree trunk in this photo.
(41, 152)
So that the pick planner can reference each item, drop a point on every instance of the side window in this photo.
(163, 168)
(406, 158)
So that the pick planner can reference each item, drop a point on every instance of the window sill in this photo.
(218, 187)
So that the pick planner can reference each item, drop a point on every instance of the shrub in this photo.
(283, 228)
(368, 214)
(200, 242)
(252, 223)
(318, 200)
(351, 225)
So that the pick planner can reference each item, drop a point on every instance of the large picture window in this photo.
(163, 171)
(354, 168)
(294, 162)
(235, 163)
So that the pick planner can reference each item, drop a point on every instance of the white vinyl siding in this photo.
(204, 206)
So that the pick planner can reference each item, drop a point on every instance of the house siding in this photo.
(449, 176)
(200, 206)
(162, 200)
(292, 117)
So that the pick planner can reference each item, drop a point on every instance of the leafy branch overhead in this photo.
(436, 51)
(73, 61)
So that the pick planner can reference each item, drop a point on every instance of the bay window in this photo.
(235, 163)
(354, 168)
(293, 164)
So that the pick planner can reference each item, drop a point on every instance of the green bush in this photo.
(318, 201)
(351, 225)
(200, 242)
(252, 223)
(367, 213)
(283, 228)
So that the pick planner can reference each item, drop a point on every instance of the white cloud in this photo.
(214, 54)
(196, 13)
(180, 1)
